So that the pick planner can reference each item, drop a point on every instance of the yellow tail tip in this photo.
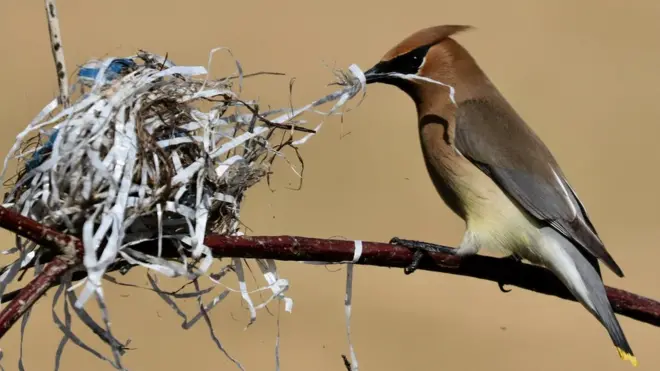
(627, 357)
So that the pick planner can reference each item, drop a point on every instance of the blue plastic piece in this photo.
(112, 72)
(38, 156)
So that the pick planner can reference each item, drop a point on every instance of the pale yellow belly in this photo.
(493, 218)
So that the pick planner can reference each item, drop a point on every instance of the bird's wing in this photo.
(495, 138)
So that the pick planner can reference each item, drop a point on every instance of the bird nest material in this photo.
(152, 152)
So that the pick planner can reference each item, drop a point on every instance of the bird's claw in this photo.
(420, 248)
(501, 286)
(417, 258)
(515, 259)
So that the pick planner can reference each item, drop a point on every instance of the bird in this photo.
(493, 171)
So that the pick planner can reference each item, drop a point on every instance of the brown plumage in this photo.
(493, 171)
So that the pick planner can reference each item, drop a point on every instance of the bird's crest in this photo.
(424, 37)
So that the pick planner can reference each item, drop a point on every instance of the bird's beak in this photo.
(374, 74)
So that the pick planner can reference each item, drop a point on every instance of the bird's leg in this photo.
(420, 248)
(419, 245)
(514, 258)
(469, 244)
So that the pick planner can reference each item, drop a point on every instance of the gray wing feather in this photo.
(500, 143)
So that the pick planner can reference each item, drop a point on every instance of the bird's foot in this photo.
(420, 248)
(514, 258)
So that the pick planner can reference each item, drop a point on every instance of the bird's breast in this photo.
(454, 176)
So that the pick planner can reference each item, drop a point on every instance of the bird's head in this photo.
(426, 55)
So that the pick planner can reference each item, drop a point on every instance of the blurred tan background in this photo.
(584, 75)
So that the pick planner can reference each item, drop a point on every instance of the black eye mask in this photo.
(407, 64)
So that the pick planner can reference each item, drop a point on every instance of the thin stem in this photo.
(58, 51)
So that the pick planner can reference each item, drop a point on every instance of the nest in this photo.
(152, 152)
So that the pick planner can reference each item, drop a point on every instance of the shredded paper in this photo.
(149, 152)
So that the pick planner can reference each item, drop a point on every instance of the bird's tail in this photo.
(580, 277)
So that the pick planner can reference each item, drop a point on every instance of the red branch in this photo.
(31, 293)
(289, 248)
(505, 271)
(70, 249)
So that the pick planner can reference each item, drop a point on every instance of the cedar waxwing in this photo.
(493, 171)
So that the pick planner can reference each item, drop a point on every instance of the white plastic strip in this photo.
(348, 302)
(357, 253)
(238, 266)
